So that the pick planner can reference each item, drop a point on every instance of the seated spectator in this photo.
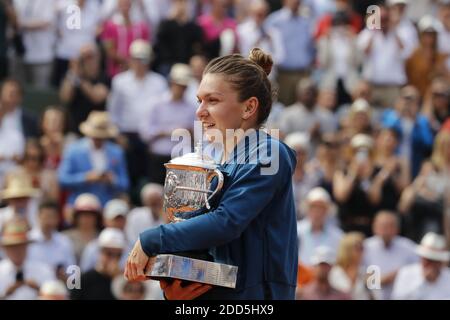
(53, 290)
(96, 284)
(436, 106)
(50, 246)
(131, 93)
(94, 164)
(167, 116)
(426, 62)
(32, 165)
(16, 125)
(320, 288)
(114, 216)
(302, 180)
(414, 128)
(178, 38)
(349, 274)
(83, 88)
(387, 250)
(86, 219)
(150, 215)
(18, 196)
(20, 276)
(118, 34)
(429, 279)
(392, 171)
(423, 201)
(316, 229)
(353, 187)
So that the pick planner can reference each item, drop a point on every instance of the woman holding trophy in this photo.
(253, 223)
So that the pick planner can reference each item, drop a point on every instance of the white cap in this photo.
(181, 74)
(433, 247)
(112, 238)
(428, 23)
(362, 141)
(360, 105)
(115, 208)
(51, 290)
(87, 202)
(318, 195)
(141, 49)
(297, 140)
(323, 254)
(394, 2)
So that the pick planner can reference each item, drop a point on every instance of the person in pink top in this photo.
(214, 23)
(118, 34)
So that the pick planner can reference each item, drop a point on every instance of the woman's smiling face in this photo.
(219, 107)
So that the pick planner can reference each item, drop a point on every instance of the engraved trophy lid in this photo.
(195, 159)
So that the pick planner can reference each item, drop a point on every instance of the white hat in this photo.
(53, 290)
(181, 74)
(111, 238)
(318, 195)
(141, 49)
(428, 24)
(433, 247)
(115, 208)
(362, 141)
(87, 202)
(297, 140)
(360, 105)
(394, 2)
(323, 254)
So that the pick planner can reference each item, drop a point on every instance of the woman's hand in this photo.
(136, 264)
(174, 290)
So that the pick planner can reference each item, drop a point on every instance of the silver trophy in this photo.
(187, 190)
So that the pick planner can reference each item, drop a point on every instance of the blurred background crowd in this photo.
(91, 91)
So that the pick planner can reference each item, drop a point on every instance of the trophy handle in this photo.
(219, 175)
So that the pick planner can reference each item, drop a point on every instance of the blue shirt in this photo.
(252, 225)
(297, 38)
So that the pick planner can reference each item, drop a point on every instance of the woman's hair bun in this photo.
(262, 59)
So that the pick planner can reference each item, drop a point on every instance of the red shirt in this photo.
(324, 24)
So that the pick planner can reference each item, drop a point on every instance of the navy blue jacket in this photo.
(253, 225)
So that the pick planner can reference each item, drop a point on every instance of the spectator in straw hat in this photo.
(86, 222)
(94, 164)
(17, 195)
(96, 284)
(53, 290)
(20, 277)
(166, 116)
(429, 279)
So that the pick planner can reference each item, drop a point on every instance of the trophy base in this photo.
(188, 269)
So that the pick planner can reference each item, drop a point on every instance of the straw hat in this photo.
(53, 290)
(362, 141)
(433, 247)
(98, 125)
(87, 202)
(15, 232)
(360, 105)
(180, 73)
(428, 24)
(141, 49)
(115, 208)
(18, 186)
(318, 194)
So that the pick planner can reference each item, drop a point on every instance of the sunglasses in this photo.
(112, 254)
(440, 95)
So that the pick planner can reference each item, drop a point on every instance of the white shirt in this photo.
(385, 63)
(12, 141)
(410, 284)
(56, 251)
(167, 115)
(98, 157)
(139, 220)
(400, 253)
(130, 98)
(91, 252)
(341, 281)
(39, 44)
(71, 40)
(309, 241)
(32, 270)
